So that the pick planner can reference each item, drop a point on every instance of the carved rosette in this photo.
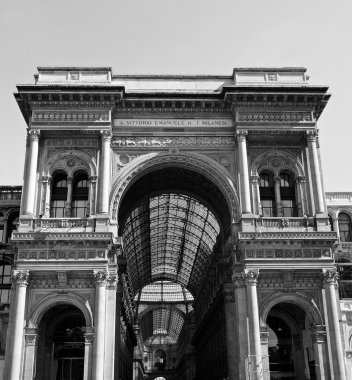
(99, 278)
(241, 135)
(330, 276)
(20, 277)
(250, 276)
(318, 334)
(111, 283)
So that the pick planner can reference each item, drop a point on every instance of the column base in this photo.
(25, 223)
(248, 223)
(322, 222)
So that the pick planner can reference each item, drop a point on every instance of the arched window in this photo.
(12, 222)
(160, 359)
(80, 195)
(288, 194)
(58, 195)
(345, 273)
(331, 222)
(267, 193)
(345, 227)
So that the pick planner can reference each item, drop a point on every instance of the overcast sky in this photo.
(180, 37)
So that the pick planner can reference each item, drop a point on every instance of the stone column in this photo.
(46, 180)
(29, 185)
(264, 341)
(257, 209)
(231, 336)
(302, 210)
(243, 170)
(255, 351)
(92, 194)
(68, 206)
(99, 326)
(104, 175)
(117, 332)
(320, 353)
(335, 222)
(279, 210)
(20, 281)
(110, 315)
(88, 343)
(330, 285)
(30, 357)
(315, 172)
(241, 325)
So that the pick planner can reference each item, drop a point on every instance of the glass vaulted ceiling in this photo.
(169, 236)
(168, 239)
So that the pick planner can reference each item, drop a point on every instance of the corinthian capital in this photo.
(241, 135)
(20, 277)
(312, 135)
(330, 276)
(99, 278)
(106, 134)
(111, 283)
(33, 134)
(250, 276)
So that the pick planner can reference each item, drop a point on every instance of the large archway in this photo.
(173, 222)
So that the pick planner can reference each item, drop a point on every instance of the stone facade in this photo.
(257, 249)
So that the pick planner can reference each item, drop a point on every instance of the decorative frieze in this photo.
(55, 255)
(24, 236)
(280, 223)
(199, 142)
(282, 253)
(288, 235)
(286, 117)
(71, 116)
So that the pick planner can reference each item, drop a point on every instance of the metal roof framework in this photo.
(168, 239)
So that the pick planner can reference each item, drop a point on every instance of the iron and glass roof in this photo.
(169, 237)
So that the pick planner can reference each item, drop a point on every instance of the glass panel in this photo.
(268, 207)
(57, 209)
(1, 232)
(79, 208)
(345, 227)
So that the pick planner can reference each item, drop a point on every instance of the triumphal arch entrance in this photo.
(173, 227)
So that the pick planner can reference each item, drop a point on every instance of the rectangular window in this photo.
(289, 208)
(268, 207)
(79, 209)
(57, 209)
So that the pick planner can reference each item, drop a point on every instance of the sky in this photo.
(181, 37)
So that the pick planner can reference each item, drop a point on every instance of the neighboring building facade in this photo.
(175, 227)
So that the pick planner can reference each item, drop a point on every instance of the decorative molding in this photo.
(286, 253)
(31, 336)
(212, 171)
(71, 104)
(318, 334)
(106, 134)
(88, 338)
(279, 117)
(49, 236)
(264, 334)
(237, 279)
(99, 278)
(70, 116)
(250, 276)
(199, 142)
(60, 255)
(288, 235)
(61, 223)
(281, 223)
(112, 283)
(20, 277)
(330, 276)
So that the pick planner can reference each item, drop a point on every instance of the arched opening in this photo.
(345, 227)
(61, 345)
(12, 223)
(173, 222)
(267, 193)
(344, 268)
(80, 192)
(290, 347)
(58, 195)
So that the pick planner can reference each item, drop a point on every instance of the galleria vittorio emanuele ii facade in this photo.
(174, 228)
